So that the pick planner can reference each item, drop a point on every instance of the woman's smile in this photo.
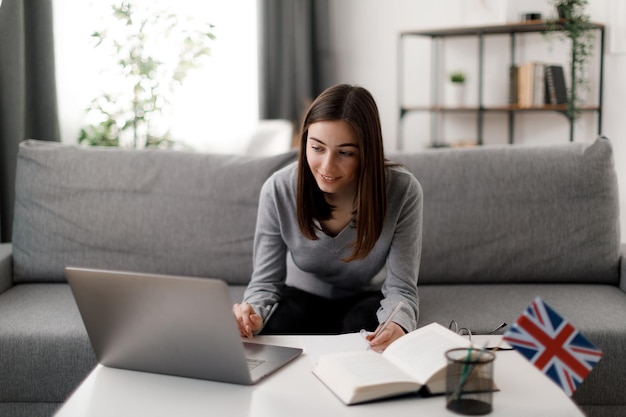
(329, 179)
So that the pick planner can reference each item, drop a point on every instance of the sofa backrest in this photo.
(491, 214)
(518, 213)
(150, 210)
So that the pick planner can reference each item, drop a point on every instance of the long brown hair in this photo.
(356, 106)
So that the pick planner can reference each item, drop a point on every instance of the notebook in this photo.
(173, 325)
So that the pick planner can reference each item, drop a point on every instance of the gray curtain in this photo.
(295, 59)
(28, 103)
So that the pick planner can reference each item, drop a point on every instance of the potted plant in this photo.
(457, 80)
(151, 52)
(457, 77)
(574, 23)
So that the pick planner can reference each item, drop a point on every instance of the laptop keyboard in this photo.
(253, 363)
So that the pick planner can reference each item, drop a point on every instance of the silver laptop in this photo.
(171, 325)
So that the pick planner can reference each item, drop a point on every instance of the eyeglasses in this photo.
(454, 326)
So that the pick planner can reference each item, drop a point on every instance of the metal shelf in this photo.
(480, 109)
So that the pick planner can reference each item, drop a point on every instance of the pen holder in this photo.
(469, 381)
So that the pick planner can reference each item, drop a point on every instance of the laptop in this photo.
(172, 325)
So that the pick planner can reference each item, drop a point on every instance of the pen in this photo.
(389, 319)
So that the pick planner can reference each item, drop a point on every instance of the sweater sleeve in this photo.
(403, 259)
(269, 255)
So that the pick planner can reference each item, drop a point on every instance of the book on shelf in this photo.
(555, 91)
(539, 84)
(535, 84)
(413, 363)
(524, 85)
(531, 84)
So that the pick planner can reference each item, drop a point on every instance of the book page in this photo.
(363, 368)
(362, 376)
(421, 353)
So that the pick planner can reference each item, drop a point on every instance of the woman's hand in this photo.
(247, 319)
(386, 337)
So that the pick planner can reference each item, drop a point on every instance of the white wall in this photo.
(365, 36)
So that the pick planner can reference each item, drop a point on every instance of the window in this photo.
(216, 107)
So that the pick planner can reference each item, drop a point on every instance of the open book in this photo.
(414, 361)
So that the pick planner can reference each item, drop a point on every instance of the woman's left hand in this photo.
(386, 337)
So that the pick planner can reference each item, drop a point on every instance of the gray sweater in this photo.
(282, 255)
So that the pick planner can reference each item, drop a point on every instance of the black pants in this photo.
(300, 312)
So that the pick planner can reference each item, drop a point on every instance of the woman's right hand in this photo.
(247, 319)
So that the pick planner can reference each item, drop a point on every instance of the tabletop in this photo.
(294, 390)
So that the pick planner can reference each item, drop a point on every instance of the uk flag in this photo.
(553, 345)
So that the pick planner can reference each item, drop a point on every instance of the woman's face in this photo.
(333, 154)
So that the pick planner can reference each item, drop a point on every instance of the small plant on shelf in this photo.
(574, 23)
(457, 80)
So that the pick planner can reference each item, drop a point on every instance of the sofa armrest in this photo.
(6, 266)
(622, 267)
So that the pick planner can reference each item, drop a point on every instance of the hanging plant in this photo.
(574, 23)
(151, 52)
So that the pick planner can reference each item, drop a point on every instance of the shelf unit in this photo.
(435, 109)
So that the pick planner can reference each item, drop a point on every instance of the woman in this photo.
(327, 227)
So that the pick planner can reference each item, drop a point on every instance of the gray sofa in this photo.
(502, 224)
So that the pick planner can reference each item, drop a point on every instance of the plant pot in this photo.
(457, 94)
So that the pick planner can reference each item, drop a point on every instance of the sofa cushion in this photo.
(598, 311)
(44, 349)
(519, 213)
(141, 210)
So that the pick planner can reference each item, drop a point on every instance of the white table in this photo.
(295, 391)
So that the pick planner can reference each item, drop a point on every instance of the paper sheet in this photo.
(315, 346)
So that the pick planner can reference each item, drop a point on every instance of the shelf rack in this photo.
(437, 35)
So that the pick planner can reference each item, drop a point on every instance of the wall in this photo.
(365, 34)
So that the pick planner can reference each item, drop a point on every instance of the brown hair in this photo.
(356, 106)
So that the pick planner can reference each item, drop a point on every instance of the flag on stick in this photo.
(553, 345)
